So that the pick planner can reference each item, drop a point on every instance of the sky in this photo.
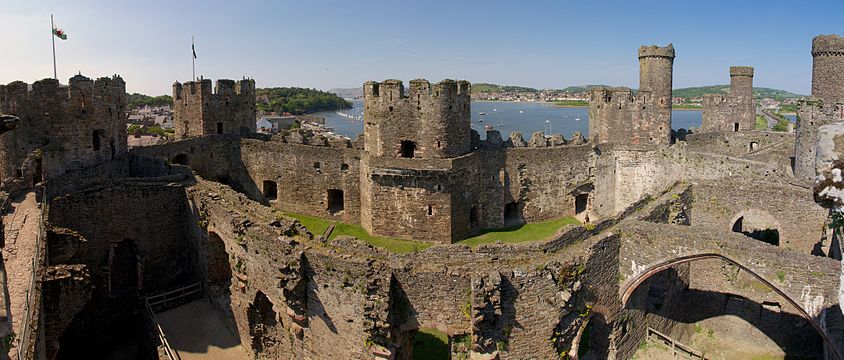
(341, 44)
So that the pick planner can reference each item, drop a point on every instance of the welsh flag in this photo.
(59, 33)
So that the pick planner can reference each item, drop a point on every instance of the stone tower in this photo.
(431, 121)
(62, 128)
(733, 112)
(229, 109)
(826, 105)
(828, 68)
(411, 178)
(656, 70)
(617, 116)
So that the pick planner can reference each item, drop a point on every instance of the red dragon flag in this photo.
(59, 33)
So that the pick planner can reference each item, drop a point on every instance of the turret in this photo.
(427, 121)
(229, 109)
(828, 68)
(656, 73)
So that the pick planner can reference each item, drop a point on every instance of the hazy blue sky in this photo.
(325, 44)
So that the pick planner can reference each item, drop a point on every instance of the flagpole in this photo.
(193, 58)
(53, 37)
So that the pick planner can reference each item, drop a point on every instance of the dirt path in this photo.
(20, 228)
(196, 332)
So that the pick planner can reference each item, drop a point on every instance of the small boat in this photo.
(520, 111)
(494, 109)
(488, 127)
(481, 120)
(577, 119)
(481, 113)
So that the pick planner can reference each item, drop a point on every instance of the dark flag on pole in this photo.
(193, 48)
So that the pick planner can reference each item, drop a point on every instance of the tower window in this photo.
(407, 148)
(219, 128)
(335, 201)
(318, 168)
(735, 126)
(430, 210)
(96, 139)
(270, 190)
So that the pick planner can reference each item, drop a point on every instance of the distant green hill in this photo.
(758, 92)
(489, 88)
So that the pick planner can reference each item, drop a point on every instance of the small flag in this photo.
(194, 50)
(60, 33)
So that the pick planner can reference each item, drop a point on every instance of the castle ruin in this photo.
(101, 242)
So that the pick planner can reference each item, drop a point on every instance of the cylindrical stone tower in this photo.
(828, 68)
(656, 66)
(741, 92)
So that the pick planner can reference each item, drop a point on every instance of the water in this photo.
(506, 117)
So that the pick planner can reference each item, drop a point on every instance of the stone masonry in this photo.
(733, 112)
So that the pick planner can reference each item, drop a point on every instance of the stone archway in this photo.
(757, 224)
(630, 286)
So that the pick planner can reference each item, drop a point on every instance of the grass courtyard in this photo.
(318, 225)
(522, 233)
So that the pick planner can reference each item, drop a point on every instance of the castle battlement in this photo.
(19, 97)
(741, 71)
(656, 51)
(715, 99)
(227, 109)
(223, 87)
(828, 45)
(394, 91)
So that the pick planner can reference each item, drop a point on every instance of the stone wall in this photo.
(811, 114)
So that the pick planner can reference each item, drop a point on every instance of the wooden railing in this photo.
(677, 348)
(161, 301)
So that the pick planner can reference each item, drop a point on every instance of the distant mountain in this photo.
(348, 93)
(758, 92)
(580, 88)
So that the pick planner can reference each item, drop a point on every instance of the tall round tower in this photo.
(741, 97)
(828, 68)
(656, 66)
(741, 81)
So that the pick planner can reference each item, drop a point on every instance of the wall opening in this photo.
(512, 217)
(407, 148)
(262, 321)
(96, 139)
(753, 146)
(735, 126)
(335, 201)
(219, 128)
(270, 190)
(219, 268)
(430, 210)
(766, 235)
(474, 217)
(181, 159)
(37, 176)
(580, 202)
(112, 148)
(124, 264)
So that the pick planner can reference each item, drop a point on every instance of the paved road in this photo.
(771, 121)
(196, 331)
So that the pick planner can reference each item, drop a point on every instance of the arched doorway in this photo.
(125, 269)
(742, 318)
(181, 159)
(757, 224)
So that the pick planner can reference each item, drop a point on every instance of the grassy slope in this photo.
(528, 232)
(317, 226)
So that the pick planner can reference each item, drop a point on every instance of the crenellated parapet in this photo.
(827, 65)
(227, 109)
(619, 117)
(646, 51)
(828, 45)
(74, 126)
(425, 121)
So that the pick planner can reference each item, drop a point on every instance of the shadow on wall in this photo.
(792, 334)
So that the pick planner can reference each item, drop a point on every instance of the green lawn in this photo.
(318, 225)
(430, 344)
(761, 123)
(528, 232)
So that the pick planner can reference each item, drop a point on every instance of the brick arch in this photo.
(631, 286)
